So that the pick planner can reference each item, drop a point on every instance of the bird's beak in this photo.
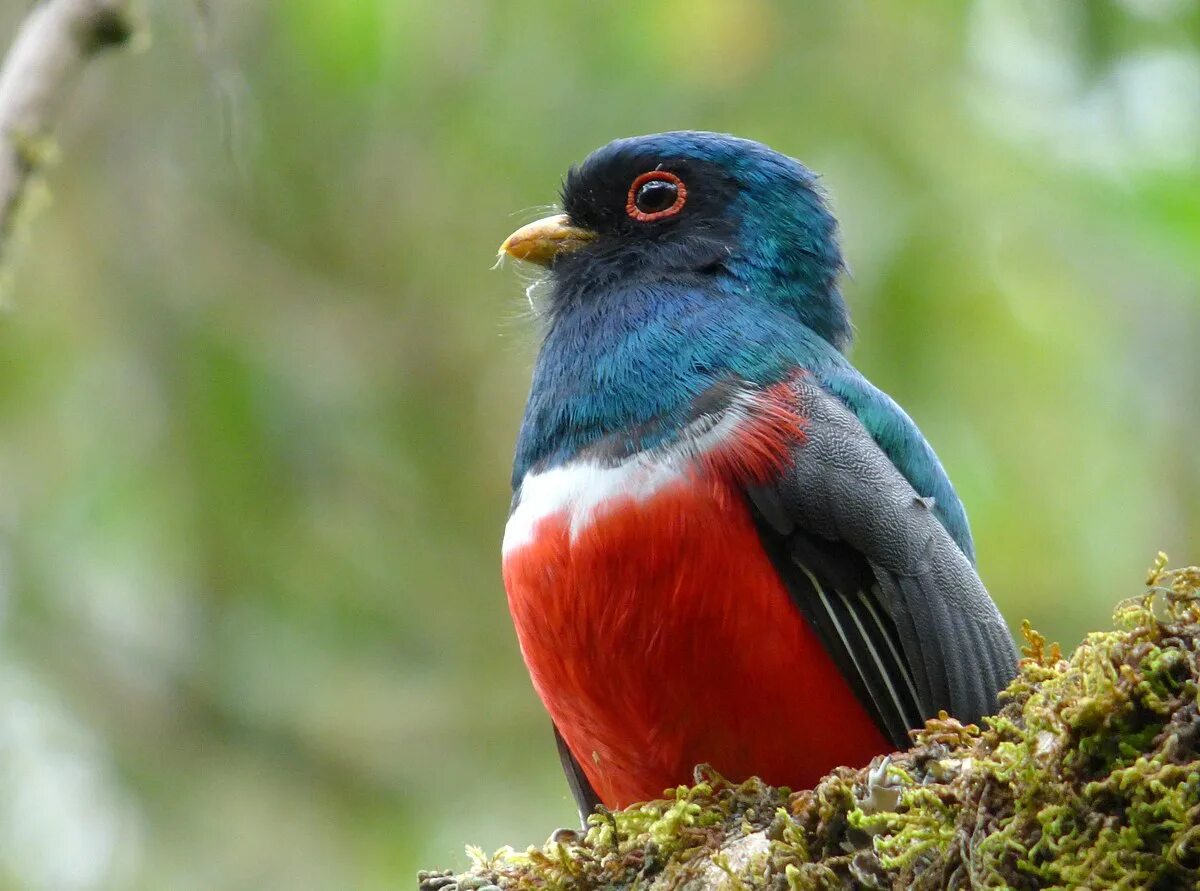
(542, 241)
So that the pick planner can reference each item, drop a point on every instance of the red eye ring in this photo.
(641, 216)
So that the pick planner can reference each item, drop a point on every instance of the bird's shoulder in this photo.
(899, 438)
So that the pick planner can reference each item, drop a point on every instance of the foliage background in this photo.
(259, 386)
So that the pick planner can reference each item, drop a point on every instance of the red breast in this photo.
(657, 632)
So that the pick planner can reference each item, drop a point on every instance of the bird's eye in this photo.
(655, 195)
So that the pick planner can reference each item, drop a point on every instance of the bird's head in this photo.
(695, 209)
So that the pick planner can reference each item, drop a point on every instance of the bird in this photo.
(725, 545)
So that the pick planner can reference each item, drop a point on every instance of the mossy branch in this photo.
(1089, 777)
(51, 48)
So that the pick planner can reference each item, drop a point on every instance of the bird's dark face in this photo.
(695, 210)
(654, 213)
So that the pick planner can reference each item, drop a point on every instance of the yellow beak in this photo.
(542, 241)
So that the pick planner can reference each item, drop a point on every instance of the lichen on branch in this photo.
(1088, 777)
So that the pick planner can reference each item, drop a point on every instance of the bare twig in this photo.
(51, 48)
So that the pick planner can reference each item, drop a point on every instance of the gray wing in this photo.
(896, 603)
(585, 796)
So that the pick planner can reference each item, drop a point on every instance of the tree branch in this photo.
(52, 45)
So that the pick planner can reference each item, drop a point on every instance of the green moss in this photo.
(1089, 776)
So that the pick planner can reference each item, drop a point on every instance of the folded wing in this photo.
(894, 599)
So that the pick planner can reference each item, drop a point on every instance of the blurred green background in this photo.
(259, 386)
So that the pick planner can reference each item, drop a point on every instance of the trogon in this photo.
(725, 545)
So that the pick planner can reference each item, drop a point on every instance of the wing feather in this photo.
(896, 602)
(585, 796)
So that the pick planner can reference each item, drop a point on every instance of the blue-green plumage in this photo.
(651, 315)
